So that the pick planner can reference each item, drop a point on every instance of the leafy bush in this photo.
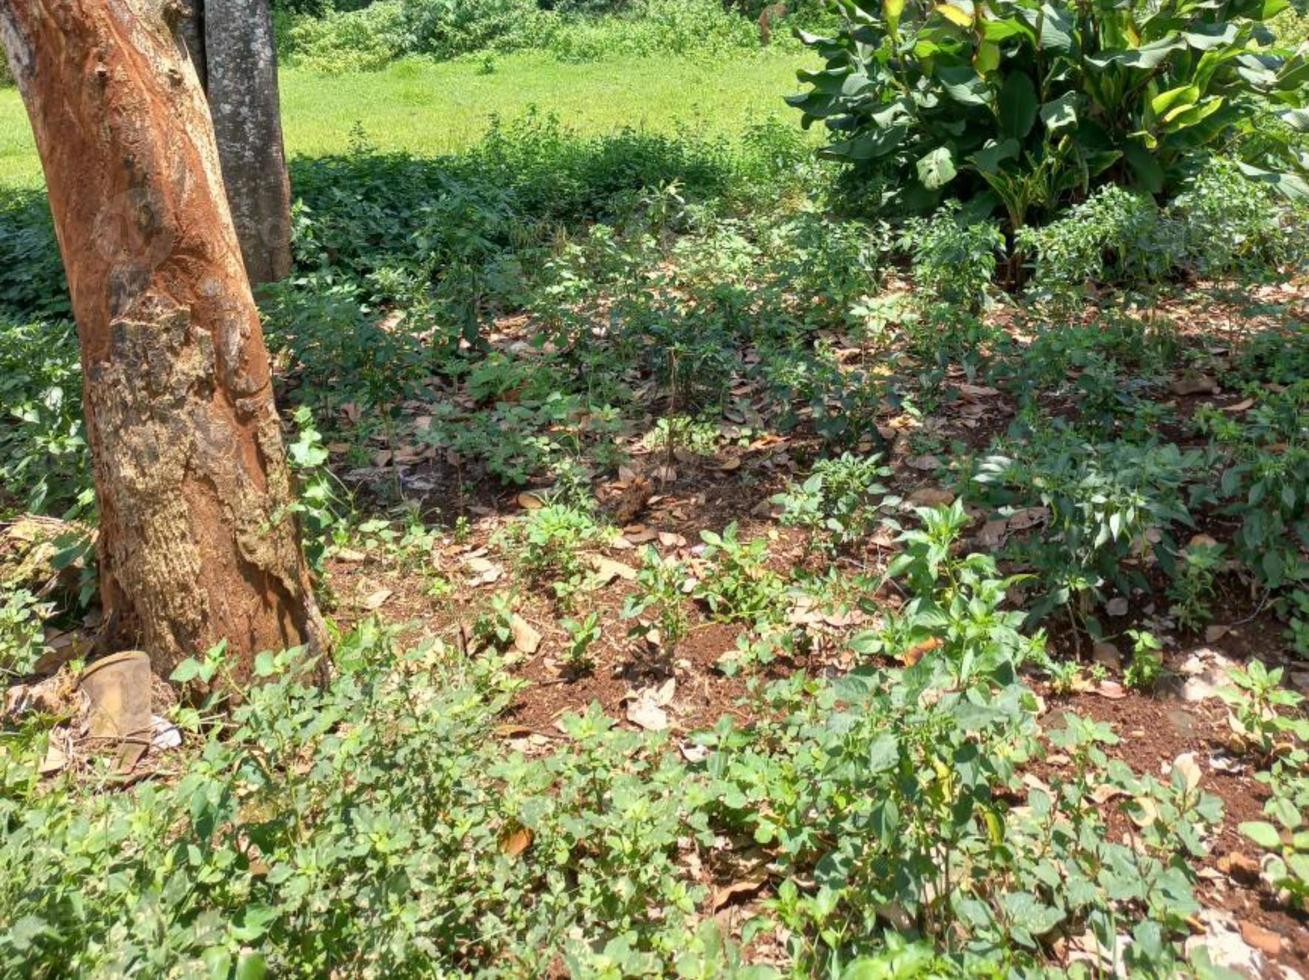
(320, 833)
(953, 257)
(22, 640)
(1110, 508)
(1264, 461)
(32, 284)
(1027, 106)
(576, 30)
(44, 463)
(842, 500)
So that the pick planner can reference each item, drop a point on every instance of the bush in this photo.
(1026, 106)
(1222, 223)
(370, 38)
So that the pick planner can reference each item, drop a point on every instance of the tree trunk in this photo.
(242, 87)
(197, 541)
(191, 25)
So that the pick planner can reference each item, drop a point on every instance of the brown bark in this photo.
(196, 540)
(242, 88)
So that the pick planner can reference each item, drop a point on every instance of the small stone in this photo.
(1107, 655)
(1117, 606)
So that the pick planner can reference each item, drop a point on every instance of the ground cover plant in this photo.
(724, 580)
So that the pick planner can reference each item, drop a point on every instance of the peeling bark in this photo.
(242, 87)
(196, 540)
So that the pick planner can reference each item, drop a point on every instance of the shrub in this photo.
(1031, 104)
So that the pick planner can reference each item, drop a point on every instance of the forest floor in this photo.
(664, 497)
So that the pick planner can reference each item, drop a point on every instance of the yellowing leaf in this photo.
(955, 15)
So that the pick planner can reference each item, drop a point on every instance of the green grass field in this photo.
(437, 108)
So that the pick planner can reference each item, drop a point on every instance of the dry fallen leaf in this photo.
(526, 637)
(931, 497)
(515, 842)
(1111, 690)
(915, 653)
(738, 889)
(1189, 768)
(530, 501)
(606, 570)
(646, 714)
(374, 600)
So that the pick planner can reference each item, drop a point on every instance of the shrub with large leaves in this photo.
(1027, 104)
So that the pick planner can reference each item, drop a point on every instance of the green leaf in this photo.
(884, 753)
(1018, 104)
(1182, 95)
(1145, 168)
(1262, 833)
(988, 159)
(1060, 113)
(187, 670)
(937, 168)
(1146, 58)
(964, 85)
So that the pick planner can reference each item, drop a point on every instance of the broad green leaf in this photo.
(892, 11)
(937, 168)
(1262, 833)
(1145, 168)
(964, 85)
(988, 158)
(1206, 37)
(1182, 95)
(987, 58)
(1146, 58)
(1060, 113)
(1018, 105)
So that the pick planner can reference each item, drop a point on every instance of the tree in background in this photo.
(231, 45)
(197, 539)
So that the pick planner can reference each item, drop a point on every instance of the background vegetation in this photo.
(938, 511)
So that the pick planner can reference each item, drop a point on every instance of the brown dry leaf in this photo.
(526, 637)
(644, 713)
(1267, 942)
(606, 570)
(915, 653)
(671, 540)
(373, 601)
(349, 554)
(1242, 406)
(515, 842)
(1021, 520)
(1111, 690)
(1105, 792)
(993, 533)
(529, 501)
(931, 497)
(634, 498)
(977, 391)
(484, 571)
(744, 888)
(639, 534)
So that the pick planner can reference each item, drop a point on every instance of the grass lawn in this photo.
(436, 108)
